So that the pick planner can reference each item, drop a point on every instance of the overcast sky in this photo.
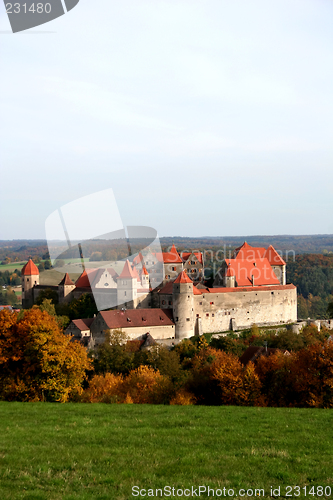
(204, 117)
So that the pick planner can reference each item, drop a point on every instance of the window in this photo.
(27, 279)
(207, 315)
(173, 268)
(200, 303)
(170, 302)
(197, 315)
(163, 302)
(124, 282)
(106, 284)
(187, 319)
(125, 293)
(211, 303)
(213, 315)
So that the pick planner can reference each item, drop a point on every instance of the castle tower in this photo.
(127, 285)
(144, 278)
(182, 299)
(30, 278)
(65, 287)
(229, 278)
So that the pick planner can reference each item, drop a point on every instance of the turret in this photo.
(65, 287)
(30, 278)
(182, 299)
(229, 278)
(144, 278)
(127, 284)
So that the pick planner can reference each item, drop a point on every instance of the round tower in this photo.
(30, 278)
(183, 302)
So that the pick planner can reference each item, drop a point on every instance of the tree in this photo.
(37, 361)
(48, 294)
(330, 310)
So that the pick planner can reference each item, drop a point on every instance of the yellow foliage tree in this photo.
(37, 361)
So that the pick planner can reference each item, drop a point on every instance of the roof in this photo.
(136, 274)
(30, 269)
(137, 317)
(83, 324)
(138, 258)
(252, 353)
(83, 280)
(248, 252)
(229, 272)
(186, 255)
(255, 272)
(66, 280)
(144, 271)
(128, 272)
(148, 342)
(273, 257)
(183, 278)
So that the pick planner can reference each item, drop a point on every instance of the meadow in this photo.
(96, 451)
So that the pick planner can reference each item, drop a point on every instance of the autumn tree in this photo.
(37, 361)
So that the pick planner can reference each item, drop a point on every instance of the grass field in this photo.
(11, 267)
(82, 451)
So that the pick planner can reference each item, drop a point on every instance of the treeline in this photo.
(39, 363)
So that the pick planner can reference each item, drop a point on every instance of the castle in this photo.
(249, 288)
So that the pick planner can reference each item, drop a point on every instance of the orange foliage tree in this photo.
(37, 361)
(276, 377)
(312, 374)
(219, 378)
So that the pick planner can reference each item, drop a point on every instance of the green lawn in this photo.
(82, 451)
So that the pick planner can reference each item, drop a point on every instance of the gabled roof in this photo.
(183, 278)
(128, 272)
(137, 317)
(185, 256)
(248, 252)
(138, 258)
(83, 324)
(83, 280)
(66, 281)
(30, 269)
(273, 257)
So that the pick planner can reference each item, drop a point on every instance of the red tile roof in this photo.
(138, 258)
(230, 272)
(137, 317)
(183, 278)
(30, 269)
(273, 257)
(66, 280)
(144, 271)
(83, 280)
(128, 272)
(245, 270)
(186, 255)
(248, 252)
